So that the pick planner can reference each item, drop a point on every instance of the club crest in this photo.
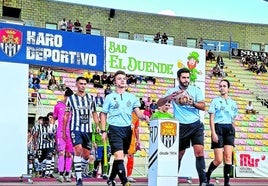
(10, 41)
(168, 133)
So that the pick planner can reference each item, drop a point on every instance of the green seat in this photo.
(259, 130)
(265, 149)
(51, 96)
(44, 102)
(244, 124)
(42, 91)
(250, 142)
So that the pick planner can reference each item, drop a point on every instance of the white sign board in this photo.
(14, 119)
(163, 153)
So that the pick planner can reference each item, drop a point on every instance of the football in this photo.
(182, 99)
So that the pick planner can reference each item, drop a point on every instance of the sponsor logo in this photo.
(247, 161)
(10, 41)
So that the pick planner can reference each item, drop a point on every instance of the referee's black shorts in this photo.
(226, 135)
(119, 138)
(191, 133)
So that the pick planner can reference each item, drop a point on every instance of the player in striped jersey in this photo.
(82, 107)
(44, 135)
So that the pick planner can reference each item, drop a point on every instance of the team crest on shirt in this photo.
(10, 41)
(168, 133)
(128, 103)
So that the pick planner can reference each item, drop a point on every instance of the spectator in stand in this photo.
(211, 56)
(61, 85)
(49, 73)
(216, 71)
(88, 28)
(147, 112)
(107, 90)
(78, 26)
(139, 79)
(52, 83)
(223, 74)
(157, 37)
(153, 106)
(262, 68)
(162, 112)
(220, 61)
(42, 73)
(70, 26)
(36, 83)
(250, 109)
(110, 79)
(248, 59)
(63, 25)
(30, 80)
(150, 79)
(97, 80)
(142, 107)
(164, 38)
(201, 43)
(131, 79)
(88, 75)
(104, 78)
(253, 65)
(148, 101)
(99, 102)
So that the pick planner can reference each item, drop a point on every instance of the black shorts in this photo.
(226, 135)
(44, 154)
(193, 133)
(119, 138)
(83, 138)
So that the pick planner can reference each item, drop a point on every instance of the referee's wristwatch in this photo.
(103, 131)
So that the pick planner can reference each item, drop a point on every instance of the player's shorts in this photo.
(83, 138)
(226, 135)
(100, 152)
(64, 145)
(193, 133)
(44, 154)
(119, 138)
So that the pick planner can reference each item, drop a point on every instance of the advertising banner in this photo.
(151, 59)
(239, 53)
(251, 164)
(39, 46)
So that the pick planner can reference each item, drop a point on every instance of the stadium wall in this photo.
(38, 13)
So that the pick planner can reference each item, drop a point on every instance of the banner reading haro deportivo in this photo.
(39, 46)
(151, 59)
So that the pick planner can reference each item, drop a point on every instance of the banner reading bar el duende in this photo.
(39, 46)
(151, 59)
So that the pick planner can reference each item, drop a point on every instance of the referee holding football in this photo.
(187, 100)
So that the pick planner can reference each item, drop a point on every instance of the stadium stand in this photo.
(251, 130)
